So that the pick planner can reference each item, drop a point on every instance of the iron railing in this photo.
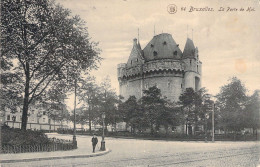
(54, 145)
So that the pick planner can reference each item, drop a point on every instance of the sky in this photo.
(228, 41)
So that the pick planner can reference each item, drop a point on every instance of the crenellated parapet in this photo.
(130, 71)
(165, 64)
(148, 67)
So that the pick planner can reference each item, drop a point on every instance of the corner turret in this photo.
(192, 66)
(189, 49)
(135, 57)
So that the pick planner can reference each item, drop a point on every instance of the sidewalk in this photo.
(83, 151)
(26, 157)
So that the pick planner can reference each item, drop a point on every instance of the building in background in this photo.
(161, 63)
(38, 119)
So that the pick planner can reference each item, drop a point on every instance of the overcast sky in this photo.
(228, 42)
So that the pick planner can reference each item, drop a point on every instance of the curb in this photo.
(53, 158)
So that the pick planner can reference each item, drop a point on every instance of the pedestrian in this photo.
(94, 142)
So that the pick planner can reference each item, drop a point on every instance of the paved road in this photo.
(131, 152)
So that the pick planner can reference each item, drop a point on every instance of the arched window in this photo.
(146, 86)
(155, 53)
(164, 43)
(151, 45)
(131, 62)
(175, 53)
(197, 68)
(190, 61)
(197, 83)
(169, 84)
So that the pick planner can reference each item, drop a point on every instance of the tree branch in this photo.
(20, 60)
(34, 90)
(34, 96)
(41, 63)
(46, 76)
(39, 41)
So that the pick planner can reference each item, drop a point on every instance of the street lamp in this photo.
(206, 126)
(213, 120)
(103, 146)
(74, 130)
(13, 118)
(211, 107)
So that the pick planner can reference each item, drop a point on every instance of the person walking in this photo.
(94, 142)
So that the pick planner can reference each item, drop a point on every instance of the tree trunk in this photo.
(166, 129)
(25, 113)
(26, 99)
(89, 118)
(89, 124)
(82, 128)
(54, 123)
(152, 130)
(186, 128)
(126, 126)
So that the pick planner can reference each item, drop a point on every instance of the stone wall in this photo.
(131, 87)
(170, 86)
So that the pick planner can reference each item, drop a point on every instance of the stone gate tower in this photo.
(163, 64)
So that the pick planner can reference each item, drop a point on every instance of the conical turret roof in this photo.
(189, 49)
(135, 55)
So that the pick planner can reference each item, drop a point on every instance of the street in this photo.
(133, 152)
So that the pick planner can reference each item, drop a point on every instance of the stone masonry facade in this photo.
(161, 63)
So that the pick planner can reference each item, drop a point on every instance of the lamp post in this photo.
(103, 146)
(74, 130)
(206, 126)
(13, 118)
(211, 107)
(213, 120)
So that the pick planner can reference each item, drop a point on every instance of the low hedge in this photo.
(11, 136)
(158, 136)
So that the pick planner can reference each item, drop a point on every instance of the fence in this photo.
(55, 145)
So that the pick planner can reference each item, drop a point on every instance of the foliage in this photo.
(132, 114)
(95, 100)
(252, 111)
(109, 102)
(152, 105)
(80, 116)
(48, 43)
(10, 92)
(157, 110)
(89, 94)
(150, 112)
(192, 104)
(19, 137)
(54, 102)
(231, 102)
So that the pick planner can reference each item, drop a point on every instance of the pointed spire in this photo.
(192, 35)
(138, 36)
(136, 54)
(154, 30)
(134, 41)
(187, 31)
(189, 49)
